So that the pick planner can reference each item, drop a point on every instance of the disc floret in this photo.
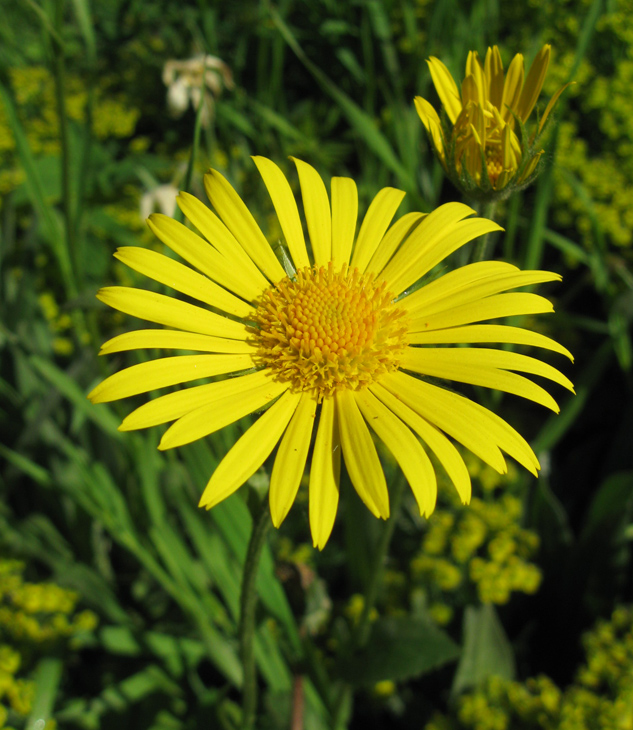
(324, 330)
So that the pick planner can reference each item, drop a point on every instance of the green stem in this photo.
(59, 75)
(248, 604)
(483, 249)
(195, 146)
(361, 632)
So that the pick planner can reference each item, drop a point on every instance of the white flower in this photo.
(199, 80)
(162, 198)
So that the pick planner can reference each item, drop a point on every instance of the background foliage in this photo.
(479, 620)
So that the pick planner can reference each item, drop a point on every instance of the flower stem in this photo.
(483, 250)
(361, 633)
(248, 604)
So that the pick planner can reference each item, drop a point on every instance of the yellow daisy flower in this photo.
(486, 150)
(335, 349)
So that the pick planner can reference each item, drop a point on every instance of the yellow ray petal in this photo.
(286, 209)
(427, 256)
(344, 214)
(406, 449)
(472, 425)
(531, 166)
(446, 88)
(212, 417)
(316, 207)
(431, 230)
(432, 123)
(471, 93)
(551, 105)
(166, 371)
(203, 256)
(488, 368)
(375, 224)
(479, 128)
(477, 289)
(508, 154)
(504, 179)
(512, 88)
(446, 286)
(471, 156)
(509, 440)
(449, 412)
(239, 220)
(495, 307)
(362, 462)
(212, 228)
(174, 340)
(494, 76)
(533, 83)
(170, 312)
(446, 453)
(475, 69)
(467, 358)
(325, 474)
(392, 240)
(291, 458)
(480, 333)
(174, 405)
(250, 451)
(183, 279)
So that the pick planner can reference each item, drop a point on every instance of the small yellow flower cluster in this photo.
(536, 703)
(609, 649)
(31, 614)
(593, 173)
(59, 323)
(34, 90)
(355, 607)
(483, 544)
(16, 694)
(38, 612)
(601, 697)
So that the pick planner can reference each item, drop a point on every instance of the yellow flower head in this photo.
(486, 150)
(330, 349)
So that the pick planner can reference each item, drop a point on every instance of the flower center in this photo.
(323, 331)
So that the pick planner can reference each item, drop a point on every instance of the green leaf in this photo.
(399, 648)
(177, 653)
(486, 651)
(51, 223)
(47, 677)
(101, 416)
(30, 468)
(233, 521)
(84, 19)
(611, 506)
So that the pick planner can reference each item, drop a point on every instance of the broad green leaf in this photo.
(610, 507)
(398, 649)
(486, 649)
(47, 677)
